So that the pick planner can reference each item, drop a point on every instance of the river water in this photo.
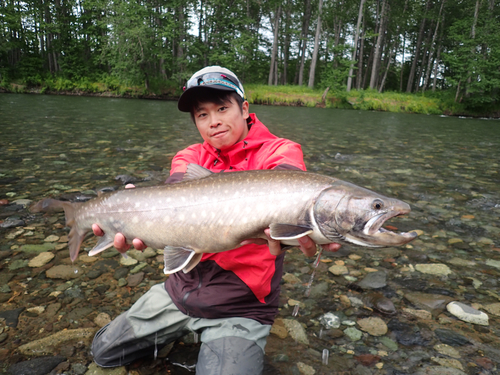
(446, 168)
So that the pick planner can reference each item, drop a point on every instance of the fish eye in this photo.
(378, 205)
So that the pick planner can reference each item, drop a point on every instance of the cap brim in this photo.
(188, 97)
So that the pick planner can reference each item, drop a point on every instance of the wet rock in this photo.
(18, 264)
(41, 259)
(51, 238)
(338, 270)
(94, 274)
(134, 280)
(439, 370)
(94, 369)
(367, 360)
(462, 262)
(413, 284)
(11, 316)
(433, 303)
(291, 279)
(420, 314)
(374, 280)
(120, 273)
(319, 289)
(63, 272)
(38, 248)
(36, 310)
(405, 334)
(296, 331)
(330, 320)
(353, 333)
(493, 308)
(388, 343)
(305, 369)
(12, 223)
(279, 329)
(447, 350)
(448, 362)
(451, 338)
(86, 259)
(467, 313)
(493, 263)
(128, 261)
(373, 326)
(433, 269)
(49, 344)
(37, 366)
(379, 302)
(102, 319)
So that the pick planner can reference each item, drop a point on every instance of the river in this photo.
(446, 168)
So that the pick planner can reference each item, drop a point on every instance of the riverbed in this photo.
(368, 311)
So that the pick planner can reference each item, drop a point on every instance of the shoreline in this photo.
(276, 97)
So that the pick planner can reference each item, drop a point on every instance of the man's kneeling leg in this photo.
(230, 356)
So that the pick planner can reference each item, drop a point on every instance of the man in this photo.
(231, 298)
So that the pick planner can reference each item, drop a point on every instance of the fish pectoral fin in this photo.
(195, 172)
(105, 242)
(192, 263)
(288, 231)
(176, 258)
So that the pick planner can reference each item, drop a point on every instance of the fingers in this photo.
(120, 243)
(138, 244)
(274, 245)
(129, 186)
(307, 246)
(333, 247)
(97, 230)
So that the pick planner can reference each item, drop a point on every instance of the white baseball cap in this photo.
(212, 77)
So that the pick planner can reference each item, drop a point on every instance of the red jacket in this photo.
(243, 282)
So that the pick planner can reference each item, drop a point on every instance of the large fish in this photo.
(212, 212)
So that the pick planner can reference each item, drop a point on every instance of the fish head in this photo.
(345, 212)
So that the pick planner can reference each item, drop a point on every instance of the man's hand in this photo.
(306, 244)
(120, 242)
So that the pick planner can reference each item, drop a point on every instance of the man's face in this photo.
(222, 125)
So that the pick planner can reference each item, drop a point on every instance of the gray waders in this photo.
(229, 346)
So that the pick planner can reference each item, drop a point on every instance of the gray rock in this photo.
(374, 280)
(440, 370)
(11, 316)
(11, 223)
(330, 320)
(296, 331)
(37, 366)
(450, 337)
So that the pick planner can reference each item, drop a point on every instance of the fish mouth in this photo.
(375, 235)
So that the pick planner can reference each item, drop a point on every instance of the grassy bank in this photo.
(428, 103)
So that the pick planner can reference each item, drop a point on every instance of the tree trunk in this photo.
(305, 31)
(432, 49)
(356, 37)
(286, 47)
(312, 70)
(473, 36)
(411, 78)
(272, 69)
(378, 48)
(361, 55)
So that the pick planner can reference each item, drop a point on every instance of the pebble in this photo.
(36, 310)
(305, 369)
(389, 343)
(330, 320)
(373, 325)
(49, 344)
(447, 350)
(128, 261)
(493, 308)
(94, 369)
(39, 248)
(353, 333)
(278, 328)
(52, 238)
(447, 336)
(448, 362)
(63, 272)
(420, 314)
(134, 280)
(439, 370)
(433, 303)
(338, 270)
(102, 319)
(86, 259)
(493, 263)
(374, 280)
(467, 313)
(296, 331)
(291, 279)
(433, 269)
(37, 366)
(41, 259)
(462, 262)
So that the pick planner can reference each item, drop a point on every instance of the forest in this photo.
(447, 48)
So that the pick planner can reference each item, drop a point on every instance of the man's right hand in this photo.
(120, 242)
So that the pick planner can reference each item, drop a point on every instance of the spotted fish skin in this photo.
(213, 212)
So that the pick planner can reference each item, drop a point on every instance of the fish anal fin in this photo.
(195, 172)
(105, 242)
(288, 231)
(176, 258)
(193, 262)
(76, 237)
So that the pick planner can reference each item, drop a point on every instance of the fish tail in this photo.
(76, 234)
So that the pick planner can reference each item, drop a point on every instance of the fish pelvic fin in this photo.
(195, 172)
(105, 242)
(177, 258)
(288, 231)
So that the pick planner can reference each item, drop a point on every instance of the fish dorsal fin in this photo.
(288, 231)
(176, 258)
(195, 172)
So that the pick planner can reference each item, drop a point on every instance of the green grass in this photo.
(290, 95)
